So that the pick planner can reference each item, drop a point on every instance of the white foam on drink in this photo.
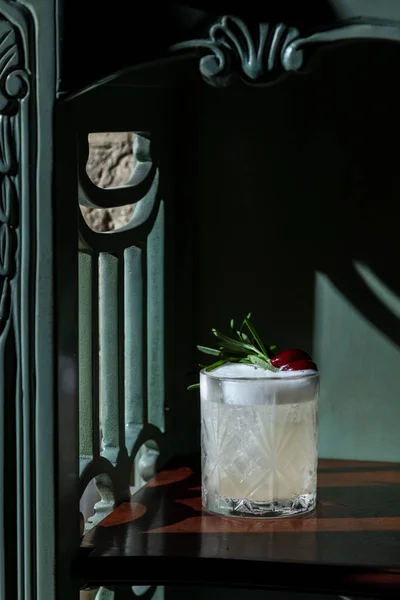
(231, 384)
(242, 371)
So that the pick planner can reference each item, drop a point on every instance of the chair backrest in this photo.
(279, 199)
(245, 199)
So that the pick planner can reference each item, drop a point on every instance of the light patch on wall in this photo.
(359, 366)
(389, 298)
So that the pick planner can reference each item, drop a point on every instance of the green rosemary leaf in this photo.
(239, 335)
(194, 386)
(242, 348)
(222, 336)
(206, 350)
(227, 352)
(233, 359)
(215, 365)
(227, 341)
(256, 336)
(228, 348)
(259, 362)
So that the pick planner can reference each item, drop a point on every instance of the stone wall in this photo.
(110, 164)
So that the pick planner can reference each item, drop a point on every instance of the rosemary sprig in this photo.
(244, 347)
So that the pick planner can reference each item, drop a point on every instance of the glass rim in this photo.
(312, 375)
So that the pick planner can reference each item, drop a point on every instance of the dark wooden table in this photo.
(350, 545)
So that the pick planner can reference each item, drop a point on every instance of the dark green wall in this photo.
(297, 212)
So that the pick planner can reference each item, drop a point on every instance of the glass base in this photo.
(243, 507)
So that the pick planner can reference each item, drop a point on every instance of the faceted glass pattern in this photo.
(259, 445)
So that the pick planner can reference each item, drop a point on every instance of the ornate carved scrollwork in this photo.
(13, 86)
(13, 78)
(235, 51)
(232, 50)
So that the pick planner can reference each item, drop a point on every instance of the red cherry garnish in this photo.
(289, 356)
(300, 365)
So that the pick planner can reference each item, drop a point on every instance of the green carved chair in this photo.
(265, 178)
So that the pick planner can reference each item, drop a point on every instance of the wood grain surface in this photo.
(349, 545)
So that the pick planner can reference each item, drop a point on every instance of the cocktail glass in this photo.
(259, 439)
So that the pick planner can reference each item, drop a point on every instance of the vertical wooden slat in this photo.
(31, 443)
(155, 321)
(121, 354)
(95, 356)
(110, 391)
(86, 399)
(145, 403)
(133, 309)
